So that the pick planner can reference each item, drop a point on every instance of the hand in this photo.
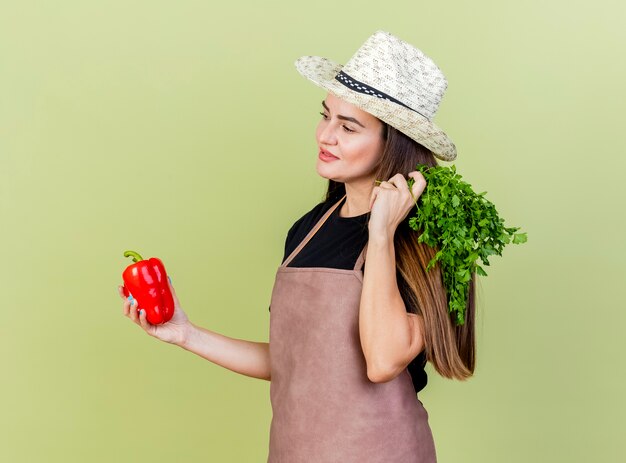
(174, 331)
(391, 202)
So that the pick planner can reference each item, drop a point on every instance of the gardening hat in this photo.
(392, 80)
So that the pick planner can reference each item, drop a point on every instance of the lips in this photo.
(327, 153)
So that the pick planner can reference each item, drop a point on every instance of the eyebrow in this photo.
(345, 118)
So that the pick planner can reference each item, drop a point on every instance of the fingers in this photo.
(399, 182)
(120, 291)
(130, 307)
(143, 321)
(133, 314)
(389, 185)
(420, 183)
(386, 186)
(131, 311)
(126, 306)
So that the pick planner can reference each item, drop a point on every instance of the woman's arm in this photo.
(248, 358)
(390, 337)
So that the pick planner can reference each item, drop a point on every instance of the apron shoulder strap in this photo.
(317, 226)
(361, 259)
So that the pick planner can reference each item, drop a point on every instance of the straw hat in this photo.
(392, 80)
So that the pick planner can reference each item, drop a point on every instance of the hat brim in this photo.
(322, 71)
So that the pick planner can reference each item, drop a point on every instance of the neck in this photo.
(357, 199)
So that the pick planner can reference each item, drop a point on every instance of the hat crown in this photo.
(400, 70)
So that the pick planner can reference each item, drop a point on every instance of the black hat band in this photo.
(360, 87)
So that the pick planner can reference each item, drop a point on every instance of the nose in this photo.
(326, 134)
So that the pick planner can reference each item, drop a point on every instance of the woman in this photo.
(349, 345)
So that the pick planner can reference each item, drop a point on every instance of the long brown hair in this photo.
(449, 348)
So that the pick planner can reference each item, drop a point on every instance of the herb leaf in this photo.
(464, 225)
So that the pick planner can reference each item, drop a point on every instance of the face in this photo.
(353, 136)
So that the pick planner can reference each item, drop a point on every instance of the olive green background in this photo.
(182, 130)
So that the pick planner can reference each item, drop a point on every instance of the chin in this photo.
(324, 174)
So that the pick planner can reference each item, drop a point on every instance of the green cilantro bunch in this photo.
(463, 225)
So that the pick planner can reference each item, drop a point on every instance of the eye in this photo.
(345, 127)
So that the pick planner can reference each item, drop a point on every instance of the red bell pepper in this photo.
(146, 281)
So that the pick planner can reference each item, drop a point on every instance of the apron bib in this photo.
(325, 408)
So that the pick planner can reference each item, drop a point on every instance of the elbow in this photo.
(379, 373)
(376, 377)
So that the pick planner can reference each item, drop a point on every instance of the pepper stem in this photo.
(136, 257)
